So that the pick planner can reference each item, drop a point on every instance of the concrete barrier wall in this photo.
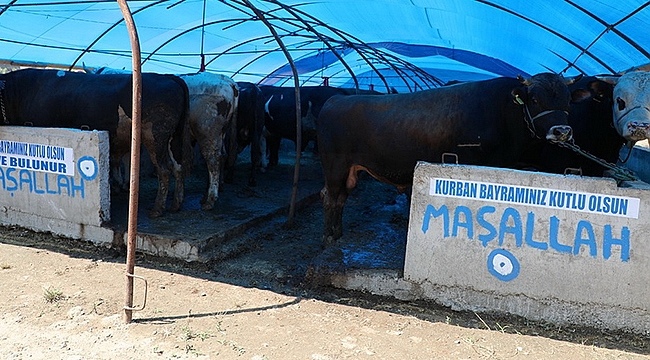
(557, 248)
(55, 180)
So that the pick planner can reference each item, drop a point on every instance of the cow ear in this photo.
(580, 95)
(610, 79)
(519, 95)
(600, 88)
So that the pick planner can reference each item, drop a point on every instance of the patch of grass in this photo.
(188, 334)
(238, 349)
(52, 295)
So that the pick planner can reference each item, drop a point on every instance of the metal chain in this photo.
(2, 103)
(619, 173)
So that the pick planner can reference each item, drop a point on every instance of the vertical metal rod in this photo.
(202, 68)
(134, 186)
(296, 82)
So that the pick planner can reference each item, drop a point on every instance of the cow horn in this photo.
(86, 69)
(610, 79)
(573, 80)
(523, 80)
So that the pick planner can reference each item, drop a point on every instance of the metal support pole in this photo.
(296, 82)
(134, 186)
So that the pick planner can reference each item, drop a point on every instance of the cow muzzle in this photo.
(560, 133)
(636, 126)
(637, 131)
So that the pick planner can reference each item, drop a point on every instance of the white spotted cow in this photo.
(213, 112)
(631, 104)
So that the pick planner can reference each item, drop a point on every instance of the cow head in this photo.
(592, 90)
(546, 100)
(631, 106)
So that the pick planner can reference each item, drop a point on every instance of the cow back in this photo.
(52, 98)
(388, 134)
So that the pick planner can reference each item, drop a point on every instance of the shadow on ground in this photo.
(271, 255)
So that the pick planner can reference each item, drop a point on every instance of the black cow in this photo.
(593, 131)
(486, 122)
(280, 111)
(250, 125)
(54, 98)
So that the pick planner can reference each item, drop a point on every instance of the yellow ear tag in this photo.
(518, 100)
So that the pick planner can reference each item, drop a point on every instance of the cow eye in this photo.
(620, 103)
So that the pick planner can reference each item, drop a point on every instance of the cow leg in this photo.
(178, 160)
(159, 154)
(273, 148)
(229, 165)
(333, 200)
(118, 174)
(120, 147)
(163, 187)
(232, 145)
(211, 151)
(256, 155)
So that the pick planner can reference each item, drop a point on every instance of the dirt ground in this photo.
(63, 299)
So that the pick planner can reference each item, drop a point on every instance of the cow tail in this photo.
(183, 133)
(231, 149)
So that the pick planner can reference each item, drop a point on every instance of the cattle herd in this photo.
(503, 122)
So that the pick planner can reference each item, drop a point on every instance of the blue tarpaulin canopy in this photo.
(407, 44)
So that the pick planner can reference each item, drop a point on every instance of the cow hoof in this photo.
(328, 240)
(207, 206)
(155, 213)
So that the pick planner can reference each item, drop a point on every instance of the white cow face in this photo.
(631, 104)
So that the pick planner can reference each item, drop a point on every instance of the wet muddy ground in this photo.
(375, 220)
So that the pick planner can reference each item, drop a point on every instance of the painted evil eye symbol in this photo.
(503, 265)
(88, 168)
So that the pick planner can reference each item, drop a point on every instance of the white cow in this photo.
(213, 112)
(631, 104)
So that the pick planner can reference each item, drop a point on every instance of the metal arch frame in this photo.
(6, 7)
(321, 38)
(288, 21)
(573, 43)
(344, 36)
(168, 41)
(87, 49)
(383, 58)
(378, 53)
(417, 71)
(306, 26)
(584, 50)
(325, 39)
(610, 27)
(569, 63)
